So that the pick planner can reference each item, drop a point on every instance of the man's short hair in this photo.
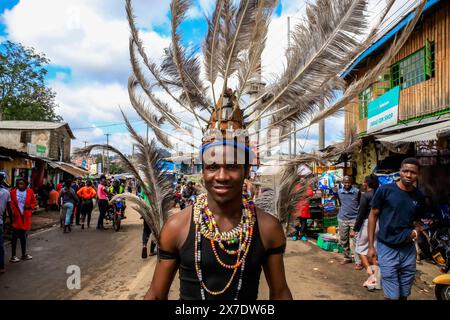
(412, 161)
(21, 179)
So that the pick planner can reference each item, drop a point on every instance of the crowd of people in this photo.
(75, 200)
(385, 230)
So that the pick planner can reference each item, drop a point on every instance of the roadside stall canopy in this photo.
(72, 170)
(426, 133)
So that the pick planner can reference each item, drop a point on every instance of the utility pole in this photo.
(322, 127)
(85, 143)
(107, 153)
(147, 133)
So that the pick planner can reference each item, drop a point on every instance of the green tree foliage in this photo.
(23, 93)
(116, 168)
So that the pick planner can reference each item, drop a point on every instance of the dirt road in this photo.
(111, 268)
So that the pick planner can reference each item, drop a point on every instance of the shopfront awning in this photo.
(72, 170)
(426, 133)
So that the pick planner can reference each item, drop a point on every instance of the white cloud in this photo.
(194, 13)
(90, 37)
(207, 5)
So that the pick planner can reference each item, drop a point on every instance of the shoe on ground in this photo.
(27, 257)
(2, 271)
(304, 238)
(144, 253)
(358, 266)
(444, 270)
(82, 227)
(152, 253)
(346, 260)
(14, 259)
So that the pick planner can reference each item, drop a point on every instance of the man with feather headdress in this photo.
(221, 244)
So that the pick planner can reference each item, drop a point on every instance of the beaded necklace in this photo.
(242, 234)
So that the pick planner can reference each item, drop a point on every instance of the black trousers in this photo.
(145, 236)
(22, 236)
(102, 207)
(86, 208)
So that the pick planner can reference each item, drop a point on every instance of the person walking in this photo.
(399, 208)
(349, 197)
(103, 202)
(303, 210)
(69, 201)
(360, 230)
(146, 233)
(76, 185)
(53, 199)
(5, 207)
(86, 195)
(23, 202)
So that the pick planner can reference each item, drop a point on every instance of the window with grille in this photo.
(364, 98)
(414, 69)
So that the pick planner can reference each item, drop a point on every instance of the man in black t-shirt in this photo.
(398, 207)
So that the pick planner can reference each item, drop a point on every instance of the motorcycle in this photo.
(442, 289)
(115, 213)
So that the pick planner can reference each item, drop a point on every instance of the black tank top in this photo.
(214, 275)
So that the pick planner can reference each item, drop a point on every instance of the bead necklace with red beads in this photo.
(206, 226)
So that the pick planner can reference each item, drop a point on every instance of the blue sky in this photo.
(5, 4)
(87, 43)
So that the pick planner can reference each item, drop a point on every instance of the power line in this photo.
(107, 125)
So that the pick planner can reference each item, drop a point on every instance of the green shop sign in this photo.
(383, 111)
(41, 149)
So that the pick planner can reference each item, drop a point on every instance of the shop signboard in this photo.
(93, 169)
(36, 150)
(383, 111)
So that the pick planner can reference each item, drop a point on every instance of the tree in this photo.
(23, 93)
(116, 168)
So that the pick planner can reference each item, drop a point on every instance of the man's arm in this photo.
(9, 211)
(272, 237)
(33, 200)
(363, 207)
(373, 218)
(276, 278)
(170, 241)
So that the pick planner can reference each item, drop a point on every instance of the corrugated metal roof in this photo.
(387, 37)
(426, 133)
(34, 125)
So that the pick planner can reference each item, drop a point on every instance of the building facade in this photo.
(37, 151)
(407, 111)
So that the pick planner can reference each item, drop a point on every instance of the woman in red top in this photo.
(303, 214)
(23, 202)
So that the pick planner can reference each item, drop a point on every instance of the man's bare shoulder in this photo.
(270, 228)
(179, 218)
(176, 228)
(267, 219)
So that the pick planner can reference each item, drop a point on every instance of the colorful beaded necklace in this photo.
(242, 234)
